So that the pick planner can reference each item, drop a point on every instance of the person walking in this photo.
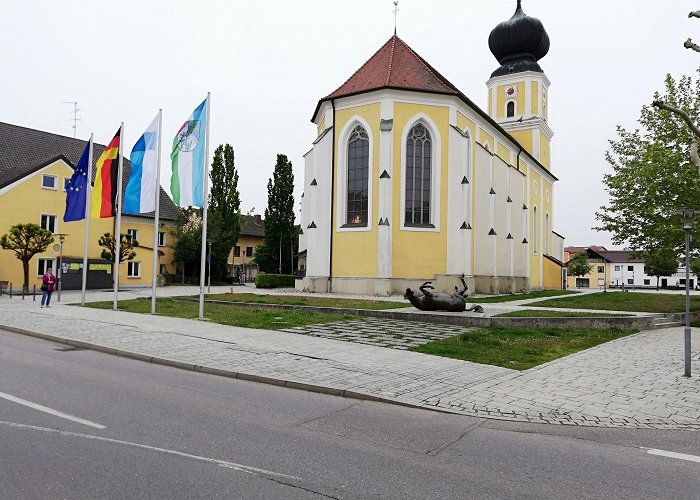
(48, 285)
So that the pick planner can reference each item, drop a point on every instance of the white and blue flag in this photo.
(140, 194)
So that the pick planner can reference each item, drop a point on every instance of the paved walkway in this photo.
(633, 382)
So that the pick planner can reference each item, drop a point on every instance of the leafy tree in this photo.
(187, 236)
(126, 247)
(275, 254)
(660, 262)
(26, 240)
(578, 265)
(653, 177)
(223, 217)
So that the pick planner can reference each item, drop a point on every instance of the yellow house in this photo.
(35, 167)
(409, 180)
(241, 256)
(601, 272)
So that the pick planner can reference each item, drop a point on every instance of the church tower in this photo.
(518, 90)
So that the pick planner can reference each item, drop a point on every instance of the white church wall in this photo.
(458, 252)
(318, 238)
(500, 186)
(517, 194)
(483, 255)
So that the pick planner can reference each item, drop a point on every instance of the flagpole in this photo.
(118, 228)
(157, 214)
(202, 263)
(88, 195)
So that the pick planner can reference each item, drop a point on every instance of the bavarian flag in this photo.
(104, 191)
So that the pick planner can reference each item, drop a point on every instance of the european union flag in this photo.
(77, 188)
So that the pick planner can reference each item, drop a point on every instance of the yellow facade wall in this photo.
(501, 99)
(544, 151)
(355, 252)
(503, 152)
(245, 241)
(535, 97)
(551, 278)
(486, 138)
(464, 123)
(524, 138)
(418, 254)
(27, 201)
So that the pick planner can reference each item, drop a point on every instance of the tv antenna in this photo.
(75, 118)
(396, 12)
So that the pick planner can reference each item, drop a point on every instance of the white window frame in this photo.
(55, 222)
(342, 174)
(132, 266)
(133, 234)
(66, 180)
(161, 238)
(55, 182)
(436, 174)
(41, 260)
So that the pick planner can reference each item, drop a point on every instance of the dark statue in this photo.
(437, 301)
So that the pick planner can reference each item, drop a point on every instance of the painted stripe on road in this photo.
(673, 454)
(222, 463)
(50, 411)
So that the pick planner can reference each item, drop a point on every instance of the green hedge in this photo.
(274, 280)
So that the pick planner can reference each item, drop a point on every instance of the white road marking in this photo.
(50, 411)
(673, 454)
(222, 463)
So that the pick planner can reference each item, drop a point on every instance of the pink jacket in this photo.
(50, 280)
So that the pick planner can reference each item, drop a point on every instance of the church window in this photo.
(510, 109)
(535, 230)
(418, 176)
(358, 177)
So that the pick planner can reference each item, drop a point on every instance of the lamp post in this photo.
(687, 217)
(61, 239)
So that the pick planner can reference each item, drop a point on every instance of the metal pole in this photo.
(156, 260)
(60, 265)
(209, 268)
(688, 225)
(88, 196)
(118, 229)
(204, 209)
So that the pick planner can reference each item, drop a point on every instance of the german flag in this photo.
(104, 191)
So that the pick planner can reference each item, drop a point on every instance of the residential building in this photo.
(409, 180)
(241, 256)
(35, 167)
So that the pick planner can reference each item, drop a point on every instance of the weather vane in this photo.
(396, 11)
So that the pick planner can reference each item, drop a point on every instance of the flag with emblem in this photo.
(188, 160)
(77, 188)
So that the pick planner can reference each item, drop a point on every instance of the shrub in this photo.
(274, 280)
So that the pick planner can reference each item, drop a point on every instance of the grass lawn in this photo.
(247, 317)
(519, 348)
(545, 313)
(519, 296)
(625, 301)
(308, 301)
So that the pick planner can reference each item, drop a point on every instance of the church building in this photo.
(409, 181)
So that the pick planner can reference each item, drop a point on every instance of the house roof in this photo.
(595, 248)
(622, 256)
(252, 225)
(397, 66)
(23, 151)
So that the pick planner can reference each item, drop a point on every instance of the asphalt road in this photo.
(82, 424)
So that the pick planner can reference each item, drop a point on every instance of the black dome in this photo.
(519, 43)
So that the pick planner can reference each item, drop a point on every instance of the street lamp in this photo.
(687, 217)
(61, 239)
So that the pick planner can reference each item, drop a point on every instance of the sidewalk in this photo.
(633, 382)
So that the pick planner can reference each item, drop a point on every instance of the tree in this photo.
(223, 217)
(26, 240)
(187, 244)
(126, 248)
(660, 262)
(276, 252)
(578, 265)
(653, 178)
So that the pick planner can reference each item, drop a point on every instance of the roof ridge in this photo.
(391, 59)
(430, 69)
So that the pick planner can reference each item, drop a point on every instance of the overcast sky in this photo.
(267, 64)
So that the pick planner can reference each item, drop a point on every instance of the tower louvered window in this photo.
(358, 177)
(418, 176)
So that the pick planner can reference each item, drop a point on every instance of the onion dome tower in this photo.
(518, 89)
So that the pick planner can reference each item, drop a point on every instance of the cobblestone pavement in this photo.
(632, 382)
(395, 334)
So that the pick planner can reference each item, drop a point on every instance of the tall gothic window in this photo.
(418, 176)
(358, 177)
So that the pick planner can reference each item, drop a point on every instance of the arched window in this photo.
(510, 109)
(358, 177)
(535, 230)
(418, 176)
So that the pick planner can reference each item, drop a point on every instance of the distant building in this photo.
(35, 167)
(241, 256)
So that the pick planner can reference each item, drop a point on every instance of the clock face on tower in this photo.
(511, 91)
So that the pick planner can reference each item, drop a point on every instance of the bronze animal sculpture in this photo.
(437, 301)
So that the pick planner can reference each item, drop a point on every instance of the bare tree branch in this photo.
(695, 13)
(688, 44)
(662, 105)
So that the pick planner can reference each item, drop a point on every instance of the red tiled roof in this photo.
(395, 65)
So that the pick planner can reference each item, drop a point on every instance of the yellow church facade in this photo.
(35, 167)
(410, 181)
